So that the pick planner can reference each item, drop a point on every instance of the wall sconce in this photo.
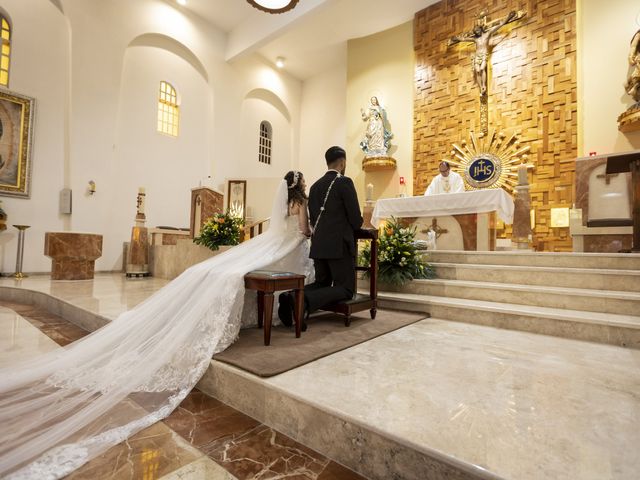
(92, 187)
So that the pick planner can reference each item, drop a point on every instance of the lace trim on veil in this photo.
(63, 408)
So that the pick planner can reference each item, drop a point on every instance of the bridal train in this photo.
(63, 408)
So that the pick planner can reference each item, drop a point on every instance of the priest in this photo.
(446, 182)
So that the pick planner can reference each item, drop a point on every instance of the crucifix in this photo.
(436, 228)
(482, 36)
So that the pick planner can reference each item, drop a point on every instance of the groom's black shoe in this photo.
(285, 309)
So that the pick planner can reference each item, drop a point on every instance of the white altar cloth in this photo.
(474, 201)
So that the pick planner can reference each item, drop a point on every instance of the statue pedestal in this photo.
(375, 164)
(629, 121)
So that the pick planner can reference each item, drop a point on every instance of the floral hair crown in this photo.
(296, 179)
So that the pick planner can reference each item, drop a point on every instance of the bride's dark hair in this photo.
(294, 187)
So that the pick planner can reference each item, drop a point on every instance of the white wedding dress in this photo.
(63, 408)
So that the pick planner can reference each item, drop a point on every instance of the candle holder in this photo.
(20, 254)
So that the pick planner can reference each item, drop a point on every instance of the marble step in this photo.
(617, 261)
(355, 441)
(605, 301)
(612, 329)
(590, 278)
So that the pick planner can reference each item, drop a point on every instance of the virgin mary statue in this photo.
(376, 140)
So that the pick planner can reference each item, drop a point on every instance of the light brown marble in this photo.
(169, 261)
(469, 225)
(522, 217)
(207, 202)
(607, 243)
(151, 453)
(73, 254)
(138, 255)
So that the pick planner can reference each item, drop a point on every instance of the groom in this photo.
(334, 214)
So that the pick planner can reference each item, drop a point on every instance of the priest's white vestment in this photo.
(452, 183)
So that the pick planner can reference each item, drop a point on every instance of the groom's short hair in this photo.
(334, 154)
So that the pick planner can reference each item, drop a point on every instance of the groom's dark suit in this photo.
(333, 247)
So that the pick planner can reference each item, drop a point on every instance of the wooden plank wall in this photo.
(532, 90)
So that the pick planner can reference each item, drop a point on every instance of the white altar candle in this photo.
(369, 195)
(523, 179)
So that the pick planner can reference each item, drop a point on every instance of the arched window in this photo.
(266, 134)
(5, 51)
(168, 110)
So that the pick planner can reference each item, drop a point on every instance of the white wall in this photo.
(96, 120)
(382, 65)
(605, 30)
(39, 69)
(323, 119)
(168, 167)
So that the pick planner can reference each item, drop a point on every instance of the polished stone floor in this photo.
(202, 439)
(521, 405)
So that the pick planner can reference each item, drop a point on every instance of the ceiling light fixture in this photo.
(273, 6)
(182, 2)
(280, 62)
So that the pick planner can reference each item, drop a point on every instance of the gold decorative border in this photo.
(23, 186)
(378, 163)
(286, 8)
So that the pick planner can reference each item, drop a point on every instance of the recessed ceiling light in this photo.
(182, 2)
(280, 62)
(274, 6)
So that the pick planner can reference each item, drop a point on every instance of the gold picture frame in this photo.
(237, 197)
(16, 137)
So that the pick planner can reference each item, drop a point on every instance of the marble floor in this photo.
(203, 439)
(108, 295)
(521, 405)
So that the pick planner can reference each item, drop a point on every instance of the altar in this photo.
(461, 221)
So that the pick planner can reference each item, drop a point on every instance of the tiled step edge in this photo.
(80, 317)
(376, 454)
(619, 330)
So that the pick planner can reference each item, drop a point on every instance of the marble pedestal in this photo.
(72, 254)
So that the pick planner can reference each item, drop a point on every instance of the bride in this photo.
(63, 408)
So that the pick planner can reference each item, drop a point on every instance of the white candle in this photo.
(522, 175)
(369, 195)
(141, 190)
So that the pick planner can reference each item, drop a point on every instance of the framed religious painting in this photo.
(237, 198)
(16, 134)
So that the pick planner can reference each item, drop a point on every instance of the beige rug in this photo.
(326, 335)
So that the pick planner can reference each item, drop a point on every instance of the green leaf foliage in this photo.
(221, 229)
(399, 261)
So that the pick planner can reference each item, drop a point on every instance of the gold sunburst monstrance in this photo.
(489, 161)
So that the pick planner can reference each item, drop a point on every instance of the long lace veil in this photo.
(59, 410)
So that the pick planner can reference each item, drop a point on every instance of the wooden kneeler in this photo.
(361, 301)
